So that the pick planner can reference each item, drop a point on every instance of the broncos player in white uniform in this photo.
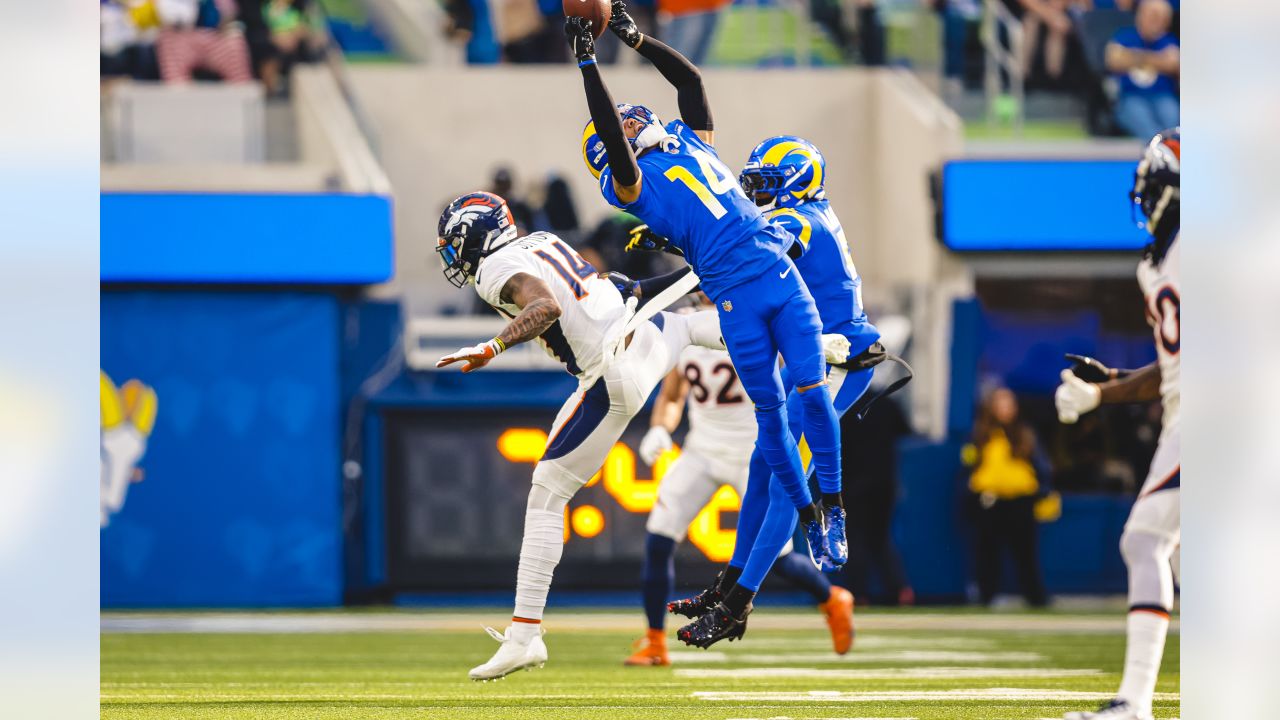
(550, 293)
(717, 451)
(1153, 532)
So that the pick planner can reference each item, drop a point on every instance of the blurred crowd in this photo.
(234, 41)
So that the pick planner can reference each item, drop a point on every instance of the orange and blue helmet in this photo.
(473, 226)
(784, 171)
(1156, 191)
(593, 150)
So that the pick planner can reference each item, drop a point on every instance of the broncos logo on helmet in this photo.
(784, 171)
(1156, 186)
(472, 227)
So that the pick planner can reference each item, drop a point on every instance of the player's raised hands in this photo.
(622, 24)
(578, 32)
(477, 356)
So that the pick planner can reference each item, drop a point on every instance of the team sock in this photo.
(832, 500)
(755, 501)
(776, 530)
(1147, 629)
(822, 433)
(799, 570)
(737, 600)
(731, 574)
(809, 513)
(657, 578)
(778, 447)
(540, 552)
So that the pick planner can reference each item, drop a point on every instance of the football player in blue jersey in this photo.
(670, 177)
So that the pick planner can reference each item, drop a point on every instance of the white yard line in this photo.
(698, 657)
(998, 694)
(916, 673)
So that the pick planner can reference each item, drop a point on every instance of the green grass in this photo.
(419, 670)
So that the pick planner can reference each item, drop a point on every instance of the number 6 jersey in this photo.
(591, 309)
(690, 197)
(1161, 289)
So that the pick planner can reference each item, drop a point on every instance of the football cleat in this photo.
(718, 624)
(816, 536)
(839, 611)
(1114, 710)
(837, 545)
(700, 604)
(511, 656)
(650, 650)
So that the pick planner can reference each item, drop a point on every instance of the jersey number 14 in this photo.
(716, 180)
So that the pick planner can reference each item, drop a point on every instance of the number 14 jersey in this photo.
(688, 196)
(591, 309)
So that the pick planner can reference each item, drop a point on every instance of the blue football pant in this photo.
(770, 315)
(767, 519)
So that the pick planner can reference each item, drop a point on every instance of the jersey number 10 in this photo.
(716, 180)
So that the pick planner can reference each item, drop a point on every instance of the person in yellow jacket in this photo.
(1007, 475)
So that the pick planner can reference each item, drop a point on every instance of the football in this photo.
(597, 11)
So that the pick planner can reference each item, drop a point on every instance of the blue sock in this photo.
(755, 501)
(799, 570)
(778, 527)
(658, 577)
(822, 433)
(778, 447)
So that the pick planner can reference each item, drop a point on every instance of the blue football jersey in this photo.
(688, 196)
(828, 270)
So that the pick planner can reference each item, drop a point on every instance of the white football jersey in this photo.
(722, 420)
(591, 309)
(1162, 291)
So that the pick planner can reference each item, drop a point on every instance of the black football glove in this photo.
(1090, 370)
(642, 238)
(622, 25)
(578, 31)
(625, 285)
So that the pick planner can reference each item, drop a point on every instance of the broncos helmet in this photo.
(472, 227)
(1155, 186)
(593, 151)
(784, 171)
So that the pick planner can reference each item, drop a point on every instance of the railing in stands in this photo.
(1004, 41)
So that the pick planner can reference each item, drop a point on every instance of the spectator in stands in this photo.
(201, 35)
(1005, 471)
(503, 185)
(1052, 19)
(1145, 60)
(689, 26)
(558, 212)
(128, 39)
(871, 34)
(289, 35)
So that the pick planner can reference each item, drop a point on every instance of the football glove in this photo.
(654, 443)
(1075, 397)
(835, 348)
(625, 285)
(641, 238)
(1090, 370)
(578, 32)
(623, 26)
(477, 356)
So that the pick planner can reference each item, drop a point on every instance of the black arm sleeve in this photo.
(652, 286)
(685, 78)
(609, 127)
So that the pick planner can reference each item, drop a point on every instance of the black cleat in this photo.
(718, 624)
(700, 604)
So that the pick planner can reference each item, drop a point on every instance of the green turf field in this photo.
(922, 664)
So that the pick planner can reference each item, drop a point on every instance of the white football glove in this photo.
(835, 348)
(655, 442)
(477, 356)
(1075, 397)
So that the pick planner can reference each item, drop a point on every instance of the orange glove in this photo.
(477, 356)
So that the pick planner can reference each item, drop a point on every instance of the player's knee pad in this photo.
(1147, 557)
(553, 486)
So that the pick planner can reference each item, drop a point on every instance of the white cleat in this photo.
(512, 656)
(1114, 710)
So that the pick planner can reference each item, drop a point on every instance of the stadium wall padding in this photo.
(239, 499)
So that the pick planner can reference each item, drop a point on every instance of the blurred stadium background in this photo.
(274, 433)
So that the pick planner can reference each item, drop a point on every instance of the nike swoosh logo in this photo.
(786, 272)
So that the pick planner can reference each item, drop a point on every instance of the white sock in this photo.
(540, 552)
(1147, 632)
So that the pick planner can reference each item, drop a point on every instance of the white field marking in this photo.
(915, 673)
(888, 656)
(999, 694)
(588, 622)
(879, 642)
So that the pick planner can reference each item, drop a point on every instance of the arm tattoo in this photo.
(1140, 385)
(538, 309)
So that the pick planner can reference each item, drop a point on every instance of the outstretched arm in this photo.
(604, 112)
(538, 310)
(683, 75)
